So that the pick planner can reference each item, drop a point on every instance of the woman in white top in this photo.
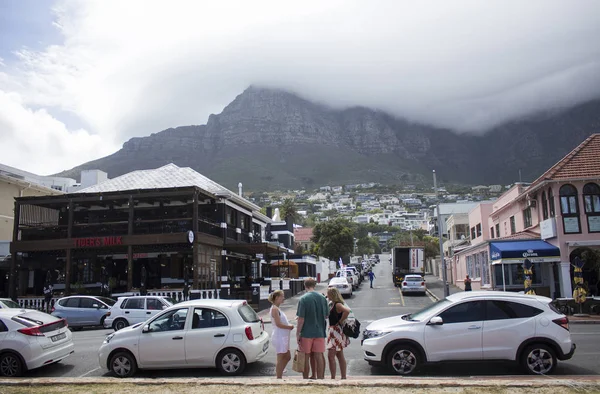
(281, 332)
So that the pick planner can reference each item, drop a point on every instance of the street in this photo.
(384, 300)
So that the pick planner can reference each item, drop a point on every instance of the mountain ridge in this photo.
(269, 139)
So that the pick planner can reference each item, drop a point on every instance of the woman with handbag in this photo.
(280, 339)
(336, 339)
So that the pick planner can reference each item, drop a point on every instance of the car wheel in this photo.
(123, 365)
(539, 359)
(10, 365)
(231, 362)
(404, 360)
(120, 324)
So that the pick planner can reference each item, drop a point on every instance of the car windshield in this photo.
(428, 311)
(10, 304)
(107, 301)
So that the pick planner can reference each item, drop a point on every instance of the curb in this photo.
(431, 294)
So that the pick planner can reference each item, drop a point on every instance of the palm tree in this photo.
(288, 210)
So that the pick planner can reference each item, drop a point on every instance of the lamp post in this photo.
(440, 234)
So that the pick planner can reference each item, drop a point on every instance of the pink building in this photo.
(550, 221)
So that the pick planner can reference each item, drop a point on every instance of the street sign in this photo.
(259, 255)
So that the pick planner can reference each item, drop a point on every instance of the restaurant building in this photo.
(152, 229)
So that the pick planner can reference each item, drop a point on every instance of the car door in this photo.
(163, 346)
(507, 324)
(71, 312)
(208, 333)
(153, 307)
(134, 310)
(460, 335)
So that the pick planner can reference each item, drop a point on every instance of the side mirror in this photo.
(435, 321)
(146, 328)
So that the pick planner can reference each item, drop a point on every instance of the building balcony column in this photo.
(566, 289)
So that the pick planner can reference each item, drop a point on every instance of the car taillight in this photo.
(52, 310)
(249, 335)
(107, 314)
(32, 331)
(563, 322)
(404, 284)
(422, 283)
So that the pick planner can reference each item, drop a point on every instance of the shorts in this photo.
(312, 345)
(281, 345)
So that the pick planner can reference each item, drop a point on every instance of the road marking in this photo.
(431, 297)
(401, 296)
(87, 373)
(393, 303)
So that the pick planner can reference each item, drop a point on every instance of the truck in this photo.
(406, 260)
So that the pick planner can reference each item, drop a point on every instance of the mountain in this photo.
(271, 139)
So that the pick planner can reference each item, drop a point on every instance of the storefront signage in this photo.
(594, 224)
(97, 242)
(548, 228)
(530, 253)
(571, 225)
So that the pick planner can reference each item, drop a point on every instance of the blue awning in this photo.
(515, 252)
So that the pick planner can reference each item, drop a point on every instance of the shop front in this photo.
(508, 257)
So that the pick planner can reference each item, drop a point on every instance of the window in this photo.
(478, 229)
(171, 321)
(463, 313)
(570, 209)
(527, 217)
(88, 303)
(71, 302)
(3, 327)
(154, 304)
(133, 303)
(248, 314)
(513, 225)
(208, 318)
(497, 230)
(502, 310)
(473, 236)
(492, 231)
(485, 271)
(513, 275)
(551, 209)
(544, 206)
(591, 203)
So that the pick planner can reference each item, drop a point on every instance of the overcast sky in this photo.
(78, 78)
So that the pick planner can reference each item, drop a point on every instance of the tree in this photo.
(288, 210)
(334, 239)
(367, 245)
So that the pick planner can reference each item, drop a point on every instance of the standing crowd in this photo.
(320, 329)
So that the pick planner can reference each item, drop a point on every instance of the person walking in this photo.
(336, 339)
(468, 283)
(311, 331)
(371, 277)
(280, 337)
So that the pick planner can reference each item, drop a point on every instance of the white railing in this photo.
(34, 302)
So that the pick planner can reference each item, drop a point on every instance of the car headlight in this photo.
(109, 337)
(374, 334)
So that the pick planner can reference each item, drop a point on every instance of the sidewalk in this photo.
(290, 305)
(435, 289)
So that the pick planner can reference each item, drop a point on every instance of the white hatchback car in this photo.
(131, 310)
(30, 339)
(473, 326)
(413, 284)
(342, 285)
(350, 275)
(226, 334)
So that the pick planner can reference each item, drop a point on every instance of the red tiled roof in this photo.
(303, 234)
(581, 162)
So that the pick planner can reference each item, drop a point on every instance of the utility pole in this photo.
(440, 234)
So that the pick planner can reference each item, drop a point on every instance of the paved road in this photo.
(383, 300)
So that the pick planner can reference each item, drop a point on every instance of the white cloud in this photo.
(34, 141)
(136, 67)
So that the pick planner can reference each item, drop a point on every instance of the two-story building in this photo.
(173, 222)
(550, 222)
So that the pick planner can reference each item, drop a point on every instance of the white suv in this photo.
(351, 276)
(131, 310)
(473, 326)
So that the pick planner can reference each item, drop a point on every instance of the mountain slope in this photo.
(271, 139)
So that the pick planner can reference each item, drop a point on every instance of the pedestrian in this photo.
(468, 283)
(336, 339)
(371, 277)
(280, 337)
(311, 331)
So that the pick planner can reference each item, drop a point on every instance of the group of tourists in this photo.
(320, 328)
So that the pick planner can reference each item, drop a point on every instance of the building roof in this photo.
(581, 162)
(169, 176)
(303, 234)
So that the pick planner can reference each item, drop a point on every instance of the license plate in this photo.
(265, 346)
(58, 337)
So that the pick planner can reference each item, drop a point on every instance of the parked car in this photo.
(342, 285)
(226, 334)
(473, 326)
(31, 339)
(350, 275)
(131, 310)
(8, 303)
(82, 311)
(413, 284)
